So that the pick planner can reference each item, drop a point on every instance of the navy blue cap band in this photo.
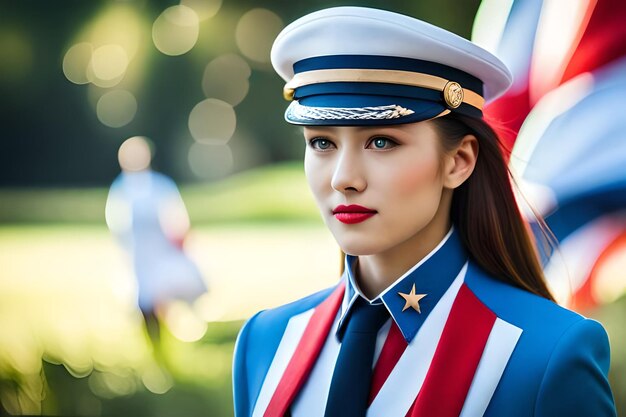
(390, 63)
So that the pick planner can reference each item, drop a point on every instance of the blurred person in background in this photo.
(442, 309)
(146, 214)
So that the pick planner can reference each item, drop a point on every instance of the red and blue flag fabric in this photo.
(569, 66)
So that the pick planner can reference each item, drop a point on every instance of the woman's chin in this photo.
(361, 247)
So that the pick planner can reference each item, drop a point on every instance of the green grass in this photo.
(269, 194)
(73, 341)
(275, 193)
(201, 384)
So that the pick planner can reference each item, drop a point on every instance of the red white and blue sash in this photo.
(459, 353)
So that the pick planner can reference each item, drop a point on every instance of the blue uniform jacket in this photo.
(558, 366)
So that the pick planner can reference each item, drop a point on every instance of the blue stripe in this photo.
(391, 63)
(395, 90)
(573, 214)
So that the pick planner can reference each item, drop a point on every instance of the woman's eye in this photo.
(382, 143)
(321, 144)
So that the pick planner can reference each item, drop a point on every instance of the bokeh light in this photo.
(100, 82)
(212, 121)
(117, 37)
(255, 33)
(176, 30)
(111, 385)
(119, 24)
(156, 380)
(184, 324)
(76, 61)
(109, 62)
(76, 357)
(226, 78)
(610, 281)
(205, 308)
(210, 161)
(250, 150)
(116, 108)
(203, 8)
(27, 399)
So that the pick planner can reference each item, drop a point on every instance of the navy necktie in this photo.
(350, 384)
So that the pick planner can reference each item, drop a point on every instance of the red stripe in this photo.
(456, 358)
(306, 354)
(394, 347)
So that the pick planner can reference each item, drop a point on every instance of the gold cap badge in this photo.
(453, 94)
(288, 93)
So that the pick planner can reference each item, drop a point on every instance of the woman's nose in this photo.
(348, 174)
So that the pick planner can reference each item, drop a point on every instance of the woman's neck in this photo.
(374, 273)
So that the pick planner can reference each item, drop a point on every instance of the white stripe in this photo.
(291, 337)
(311, 400)
(405, 381)
(502, 340)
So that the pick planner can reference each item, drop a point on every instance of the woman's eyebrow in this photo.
(382, 131)
(318, 131)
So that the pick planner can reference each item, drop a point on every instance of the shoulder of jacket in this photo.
(519, 307)
(575, 379)
(282, 314)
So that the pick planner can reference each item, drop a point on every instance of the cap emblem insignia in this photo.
(453, 94)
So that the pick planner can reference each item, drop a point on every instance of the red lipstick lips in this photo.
(353, 213)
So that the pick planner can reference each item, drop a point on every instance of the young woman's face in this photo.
(394, 174)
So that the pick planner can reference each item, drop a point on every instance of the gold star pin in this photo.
(412, 299)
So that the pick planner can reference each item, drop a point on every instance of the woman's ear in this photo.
(462, 161)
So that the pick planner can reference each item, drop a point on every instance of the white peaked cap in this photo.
(360, 31)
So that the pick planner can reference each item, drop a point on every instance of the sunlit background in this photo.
(80, 78)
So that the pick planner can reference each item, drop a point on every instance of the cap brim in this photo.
(360, 110)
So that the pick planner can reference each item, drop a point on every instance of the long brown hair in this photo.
(484, 210)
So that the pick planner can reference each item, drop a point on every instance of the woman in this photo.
(442, 309)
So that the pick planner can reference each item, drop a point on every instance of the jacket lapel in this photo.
(456, 359)
(453, 365)
(398, 393)
(305, 355)
(472, 354)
